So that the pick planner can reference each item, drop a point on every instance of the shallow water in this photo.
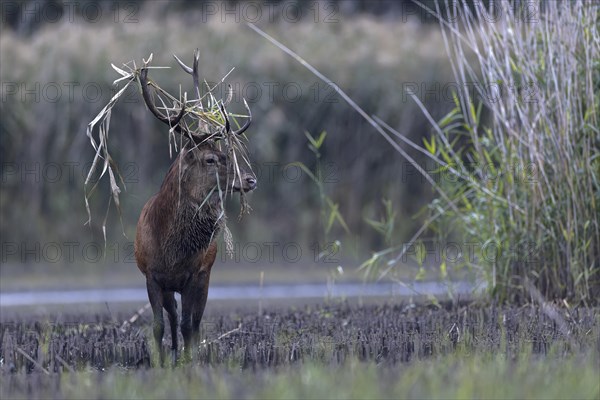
(240, 292)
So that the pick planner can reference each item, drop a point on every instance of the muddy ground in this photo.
(323, 333)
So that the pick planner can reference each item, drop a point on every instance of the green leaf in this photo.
(514, 66)
(450, 117)
(420, 253)
(443, 270)
(311, 139)
(472, 112)
(456, 99)
(429, 146)
(377, 225)
(335, 215)
(304, 168)
(319, 142)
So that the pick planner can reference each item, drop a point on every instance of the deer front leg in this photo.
(193, 301)
(170, 305)
(155, 296)
(188, 301)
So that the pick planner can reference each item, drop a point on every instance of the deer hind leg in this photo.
(200, 305)
(155, 296)
(201, 282)
(170, 305)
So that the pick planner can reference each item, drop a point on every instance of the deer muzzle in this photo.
(248, 183)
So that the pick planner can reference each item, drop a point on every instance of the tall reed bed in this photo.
(529, 173)
(520, 149)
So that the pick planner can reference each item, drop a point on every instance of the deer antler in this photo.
(175, 122)
(246, 124)
(194, 72)
(172, 122)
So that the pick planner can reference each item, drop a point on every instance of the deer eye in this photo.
(211, 160)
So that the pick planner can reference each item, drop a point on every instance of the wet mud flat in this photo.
(36, 355)
(322, 333)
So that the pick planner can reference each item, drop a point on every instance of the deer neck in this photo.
(193, 229)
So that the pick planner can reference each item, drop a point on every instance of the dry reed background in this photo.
(376, 66)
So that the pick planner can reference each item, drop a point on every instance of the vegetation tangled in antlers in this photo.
(199, 119)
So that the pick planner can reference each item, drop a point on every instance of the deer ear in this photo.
(190, 157)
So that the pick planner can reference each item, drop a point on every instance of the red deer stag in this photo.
(175, 244)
